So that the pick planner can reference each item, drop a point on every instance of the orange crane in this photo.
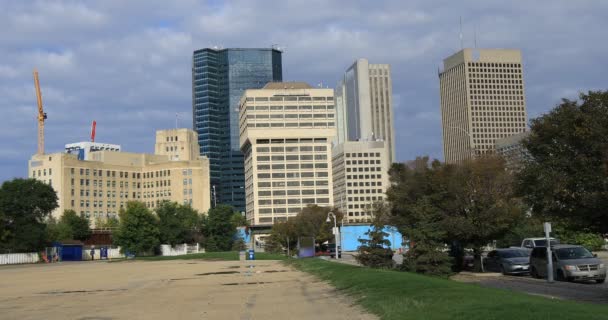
(41, 114)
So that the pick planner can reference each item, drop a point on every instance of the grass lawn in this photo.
(225, 256)
(402, 295)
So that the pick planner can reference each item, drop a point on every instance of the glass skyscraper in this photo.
(219, 78)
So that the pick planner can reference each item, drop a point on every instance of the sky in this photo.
(127, 64)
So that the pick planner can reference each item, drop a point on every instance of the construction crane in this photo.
(41, 114)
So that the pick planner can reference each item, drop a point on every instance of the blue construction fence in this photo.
(352, 234)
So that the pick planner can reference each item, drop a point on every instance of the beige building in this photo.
(286, 131)
(364, 104)
(360, 173)
(482, 100)
(98, 188)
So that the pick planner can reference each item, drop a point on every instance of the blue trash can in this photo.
(251, 254)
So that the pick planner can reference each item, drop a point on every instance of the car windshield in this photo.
(513, 254)
(573, 253)
(543, 242)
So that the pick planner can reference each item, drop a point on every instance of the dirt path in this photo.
(169, 290)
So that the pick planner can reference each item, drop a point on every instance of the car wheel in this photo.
(600, 280)
(534, 274)
(502, 270)
(560, 276)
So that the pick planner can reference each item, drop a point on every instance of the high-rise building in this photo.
(364, 105)
(219, 78)
(286, 138)
(360, 174)
(513, 151)
(99, 186)
(482, 100)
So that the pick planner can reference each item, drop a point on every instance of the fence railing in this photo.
(19, 258)
(167, 250)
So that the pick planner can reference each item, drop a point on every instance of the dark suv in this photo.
(570, 263)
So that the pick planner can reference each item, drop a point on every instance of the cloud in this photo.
(127, 64)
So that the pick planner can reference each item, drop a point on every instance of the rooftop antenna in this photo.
(176, 117)
(461, 45)
(475, 35)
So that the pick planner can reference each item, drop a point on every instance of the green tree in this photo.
(375, 251)
(111, 223)
(177, 223)
(25, 204)
(138, 230)
(77, 227)
(312, 222)
(218, 229)
(283, 235)
(566, 179)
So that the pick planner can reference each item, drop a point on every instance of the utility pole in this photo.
(547, 226)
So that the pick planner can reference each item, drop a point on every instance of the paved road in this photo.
(185, 289)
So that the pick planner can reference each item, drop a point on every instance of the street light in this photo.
(471, 150)
(335, 232)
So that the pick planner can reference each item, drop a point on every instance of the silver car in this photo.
(570, 263)
(508, 261)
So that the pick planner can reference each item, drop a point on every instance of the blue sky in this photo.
(126, 64)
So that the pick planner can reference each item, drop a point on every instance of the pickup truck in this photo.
(532, 243)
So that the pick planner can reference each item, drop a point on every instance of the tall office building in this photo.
(364, 105)
(286, 135)
(219, 78)
(101, 184)
(482, 100)
(511, 149)
(360, 172)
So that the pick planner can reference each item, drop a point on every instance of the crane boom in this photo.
(41, 114)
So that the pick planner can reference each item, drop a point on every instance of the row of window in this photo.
(281, 184)
(291, 116)
(293, 166)
(289, 98)
(268, 202)
(291, 149)
(291, 125)
(290, 175)
(288, 108)
(366, 176)
(292, 192)
(292, 157)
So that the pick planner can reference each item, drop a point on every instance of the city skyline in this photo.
(141, 76)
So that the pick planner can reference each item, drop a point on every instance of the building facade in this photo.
(482, 100)
(360, 174)
(364, 105)
(286, 132)
(512, 150)
(83, 149)
(219, 78)
(99, 187)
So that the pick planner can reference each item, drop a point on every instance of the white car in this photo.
(532, 243)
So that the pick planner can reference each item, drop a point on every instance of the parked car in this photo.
(532, 243)
(332, 250)
(508, 261)
(570, 263)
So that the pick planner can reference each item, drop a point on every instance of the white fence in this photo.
(113, 253)
(19, 258)
(180, 249)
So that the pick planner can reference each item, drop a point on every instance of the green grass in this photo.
(223, 256)
(402, 295)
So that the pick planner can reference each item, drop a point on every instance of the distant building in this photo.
(482, 100)
(364, 105)
(219, 78)
(360, 174)
(99, 186)
(286, 134)
(513, 151)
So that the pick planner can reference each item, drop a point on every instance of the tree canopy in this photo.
(25, 204)
(138, 229)
(566, 179)
(219, 229)
(177, 223)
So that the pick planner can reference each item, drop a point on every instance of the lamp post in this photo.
(214, 199)
(336, 233)
(471, 151)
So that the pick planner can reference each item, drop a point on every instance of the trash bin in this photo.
(251, 254)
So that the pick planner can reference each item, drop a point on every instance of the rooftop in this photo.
(287, 85)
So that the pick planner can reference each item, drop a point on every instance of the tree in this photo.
(218, 229)
(77, 227)
(471, 203)
(25, 204)
(138, 229)
(110, 223)
(565, 180)
(283, 235)
(177, 223)
(312, 222)
(375, 252)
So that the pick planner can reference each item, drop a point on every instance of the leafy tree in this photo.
(177, 223)
(238, 244)
(375, 252)
(138, 230)
(471, 203)
(527, 227)
(111, 223)
(312, 221)
(218, 229)
(282, 235)
(566, 180)
(238, 220)
(24, 206)
(77, 227)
